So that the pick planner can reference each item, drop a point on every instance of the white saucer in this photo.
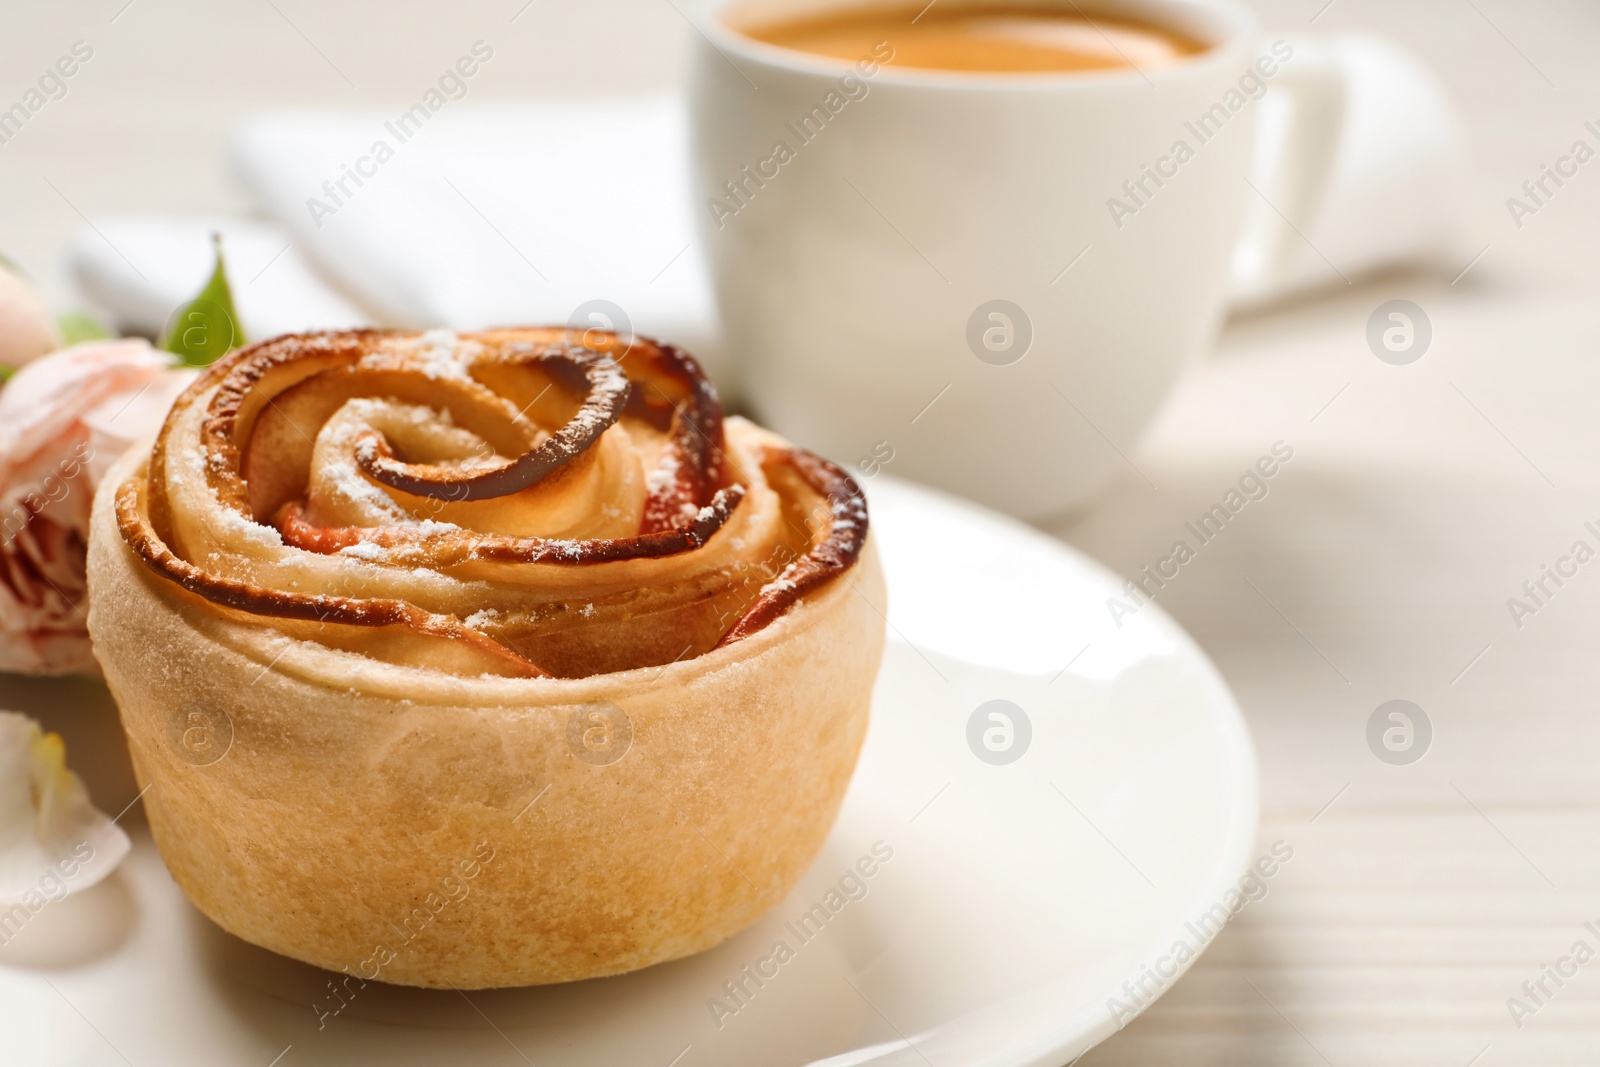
(1026, 911)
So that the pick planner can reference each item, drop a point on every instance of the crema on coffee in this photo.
(981, 38)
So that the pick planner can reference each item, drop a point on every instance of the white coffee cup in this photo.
(989, 282)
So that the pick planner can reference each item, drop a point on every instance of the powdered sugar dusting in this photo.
(665, 474)
(346, 480)
(244, 528)
(783, 582)
(442, 355)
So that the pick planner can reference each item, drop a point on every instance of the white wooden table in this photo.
(1419, 499)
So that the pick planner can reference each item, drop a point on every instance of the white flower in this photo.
(53, 841)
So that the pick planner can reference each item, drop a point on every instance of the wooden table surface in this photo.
(1420, 498)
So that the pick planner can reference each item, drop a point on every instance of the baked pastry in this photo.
(482, 660)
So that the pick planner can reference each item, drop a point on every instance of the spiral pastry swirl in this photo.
(502, 503)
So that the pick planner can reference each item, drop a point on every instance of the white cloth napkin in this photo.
(491, 214)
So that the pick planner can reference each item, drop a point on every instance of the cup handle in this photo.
(1298, 126)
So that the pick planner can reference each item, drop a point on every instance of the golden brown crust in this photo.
(244, 415)
(607, 395)
(317, 607)
(830, 557)
(447, 551)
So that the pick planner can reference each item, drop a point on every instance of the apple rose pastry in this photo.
(484, 660)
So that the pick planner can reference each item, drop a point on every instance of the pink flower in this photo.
(64, 419)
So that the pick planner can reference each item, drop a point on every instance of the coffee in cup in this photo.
(1017, 38)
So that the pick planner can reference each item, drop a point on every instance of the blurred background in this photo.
(1420, 498)
(144, 129)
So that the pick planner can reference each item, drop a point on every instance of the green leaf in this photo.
(207, 328)
(6, 373)
(77, 327)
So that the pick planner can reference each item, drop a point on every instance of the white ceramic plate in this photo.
(1026, 910)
